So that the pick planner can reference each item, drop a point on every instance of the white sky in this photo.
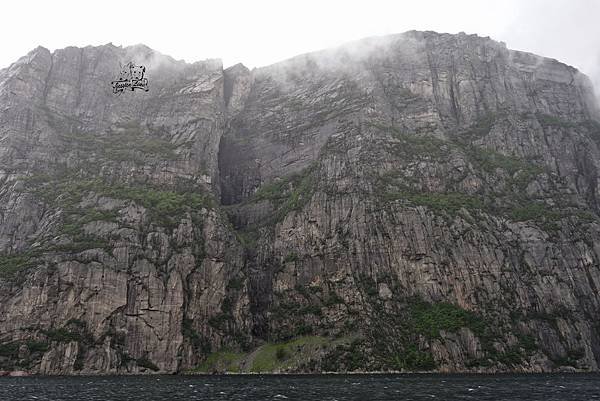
(258, 32)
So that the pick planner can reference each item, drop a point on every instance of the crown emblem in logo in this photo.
(130, 77)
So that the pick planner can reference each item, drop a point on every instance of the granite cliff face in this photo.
(413, 202)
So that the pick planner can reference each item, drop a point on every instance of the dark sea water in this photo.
(309, 388)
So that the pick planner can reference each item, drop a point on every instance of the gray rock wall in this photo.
(431, 197)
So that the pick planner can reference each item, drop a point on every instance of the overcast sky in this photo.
(259, 32)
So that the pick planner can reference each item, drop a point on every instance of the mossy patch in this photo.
(451, 202)
(266, 359)
(271, 357)
(73, 330)
(520, 171)
(290, 193)
(199, 342)
(222, 361)
(481, 127)
(413, 359)
(545, 216)
(548, 120)
(66, 191)
(414, 146)
(286, 195)
(9, 354)
(128, 142)
(429, 319)
(394, 334)
(10, 265)
(291, 257)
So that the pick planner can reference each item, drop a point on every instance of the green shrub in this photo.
(303, 329)
(333, 299)
(413, 359)
(281, 354)
(528, 343)
(288, 194)
(350, 356)
(413, 146)
(9, 350)
(63, 335)
(570, 359)
(302, 290)
(480, 128)
(275, 191)
(81, 244)
(165, 206)
(291, 257)
(144, 362)
(79, 363)
(540, 213)
(490, 160)
(248, 237)
(429, 319)
(511, 357)
(73, 330)
(224, 360)
(198, 340)
(270, 357)
(235, 284)
(12, 264)
(368, 285)
(77, 323)
(311, 310)
(220, 321)
(450, 202)
(130, 142)
(548, 120)
(36, 346)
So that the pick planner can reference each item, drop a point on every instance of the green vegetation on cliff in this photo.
(439, 202)
(127, 142)
(296, 354)
(394, 335)
(429, 319)
(289, 193)
(11, 264)
(548, 120)
(66, 191)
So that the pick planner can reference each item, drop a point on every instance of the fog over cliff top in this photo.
(263, 32)
(408, 202)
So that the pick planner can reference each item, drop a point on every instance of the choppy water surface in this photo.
(308, 388)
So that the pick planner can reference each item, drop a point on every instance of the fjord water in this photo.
(304, 387)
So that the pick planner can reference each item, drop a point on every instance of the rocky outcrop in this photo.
(110, 211)
(412, 202)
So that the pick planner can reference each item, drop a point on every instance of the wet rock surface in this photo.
(418, 201)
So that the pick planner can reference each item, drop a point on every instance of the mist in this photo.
(568, 31)
(263, 32)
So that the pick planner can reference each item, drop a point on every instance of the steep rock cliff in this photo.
(417, 201)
